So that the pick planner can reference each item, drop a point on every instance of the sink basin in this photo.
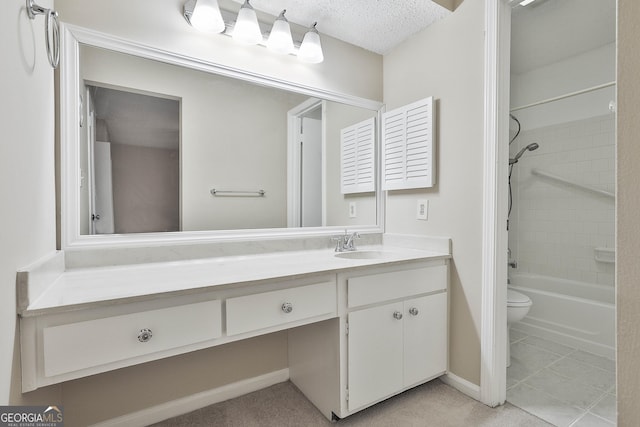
(362, 255)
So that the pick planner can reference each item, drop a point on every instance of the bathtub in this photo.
(580, 315)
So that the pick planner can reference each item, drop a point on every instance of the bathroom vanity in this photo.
(362, 326)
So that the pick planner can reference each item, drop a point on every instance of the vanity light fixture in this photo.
(311, 49)
(280, 40)
(247, 30)
(205, 15)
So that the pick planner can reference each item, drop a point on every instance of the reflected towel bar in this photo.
(238, 193)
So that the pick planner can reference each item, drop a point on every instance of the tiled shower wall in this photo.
(554, 228)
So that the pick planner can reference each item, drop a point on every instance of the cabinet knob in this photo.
(145, 335)
(287, 307)
(397, 315)
(413, 311)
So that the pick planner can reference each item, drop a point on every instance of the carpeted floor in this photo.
(432, 404)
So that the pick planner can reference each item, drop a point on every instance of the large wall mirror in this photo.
(158, 147)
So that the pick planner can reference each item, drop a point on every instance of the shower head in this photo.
(530, 147)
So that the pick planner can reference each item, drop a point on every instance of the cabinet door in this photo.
(375, 354)
(425, 338)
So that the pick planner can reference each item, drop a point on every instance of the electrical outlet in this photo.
(352, 209)
(422, 210)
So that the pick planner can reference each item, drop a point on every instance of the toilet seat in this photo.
(516, 299)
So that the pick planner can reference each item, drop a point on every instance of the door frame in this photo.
(493, 339)
(294, 116)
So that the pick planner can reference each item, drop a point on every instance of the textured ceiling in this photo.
(547, 31)
(375, 25)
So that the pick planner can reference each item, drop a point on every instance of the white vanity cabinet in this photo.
(66, 345)
(359, 330)
(392, 335)
(80, 345)
(268, 309)
(395, 346)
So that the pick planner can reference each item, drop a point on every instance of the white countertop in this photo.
(86, 287)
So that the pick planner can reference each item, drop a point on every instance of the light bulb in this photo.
(206, 17)
(280, 40)
(311, 49)
(247, 29)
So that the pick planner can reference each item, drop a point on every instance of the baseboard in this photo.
(196, 401)
(462, 385)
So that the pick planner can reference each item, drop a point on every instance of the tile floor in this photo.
(560, 384)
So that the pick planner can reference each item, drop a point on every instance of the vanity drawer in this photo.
(268, 309)
(81, 345)
(375, 288)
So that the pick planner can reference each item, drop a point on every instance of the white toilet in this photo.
(518, 306)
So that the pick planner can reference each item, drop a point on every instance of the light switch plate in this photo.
(422, 210)
(352, 210)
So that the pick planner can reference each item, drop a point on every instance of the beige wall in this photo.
(446, 61)
(628, 206)
(27, 178)
(146, 189)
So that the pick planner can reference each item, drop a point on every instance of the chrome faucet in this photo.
(346, 242)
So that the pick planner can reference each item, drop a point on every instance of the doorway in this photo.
(306, 171)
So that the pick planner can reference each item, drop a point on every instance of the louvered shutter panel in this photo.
(357, 150)
(407, 146)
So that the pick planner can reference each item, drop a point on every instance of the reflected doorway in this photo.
(306, 154)
(133, 162)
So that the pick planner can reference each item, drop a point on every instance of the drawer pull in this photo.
(397, 315)
(145, 335)
(287, 307)
(413, 311)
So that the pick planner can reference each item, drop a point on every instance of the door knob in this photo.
(413, 311)
(397, 315)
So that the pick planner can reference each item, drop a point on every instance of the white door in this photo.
(311, 172)
(425, 338)
(102, 213)
(375, 354)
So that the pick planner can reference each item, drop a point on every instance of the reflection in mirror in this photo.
(160, 137)
(133, 162)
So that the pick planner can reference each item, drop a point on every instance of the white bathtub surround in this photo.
(579, 314)
(555, 228)
(561, 384)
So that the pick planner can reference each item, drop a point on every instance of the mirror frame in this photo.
(70, 115)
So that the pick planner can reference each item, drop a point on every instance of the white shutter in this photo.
(357, 153)
(407, 146)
